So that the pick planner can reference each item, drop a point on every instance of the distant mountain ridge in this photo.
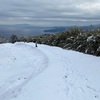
(63, 28)
(30, 30)
(21, 30)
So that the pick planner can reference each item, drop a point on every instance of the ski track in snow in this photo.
(12, 87)
(76, 82)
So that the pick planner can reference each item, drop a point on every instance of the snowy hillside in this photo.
(47, 73)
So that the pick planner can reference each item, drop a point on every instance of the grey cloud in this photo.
(49, 12)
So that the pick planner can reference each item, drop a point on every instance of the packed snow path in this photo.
(19, 63)
(47, 73)
(72, 65)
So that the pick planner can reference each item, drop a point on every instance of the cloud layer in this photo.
(50, 12)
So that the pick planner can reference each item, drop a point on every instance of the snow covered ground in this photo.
(47, 73)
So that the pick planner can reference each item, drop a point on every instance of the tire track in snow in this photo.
(13, 86)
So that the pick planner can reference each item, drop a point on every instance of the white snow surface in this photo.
(47, 73)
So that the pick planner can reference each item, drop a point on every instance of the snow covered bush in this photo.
(13, 38)
(86, 41)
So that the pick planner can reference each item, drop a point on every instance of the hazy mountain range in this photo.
(20, 30)
(29, 30)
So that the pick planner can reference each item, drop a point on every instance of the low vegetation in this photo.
(86, 41)
(75, 39)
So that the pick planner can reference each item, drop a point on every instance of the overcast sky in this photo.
(50, 12)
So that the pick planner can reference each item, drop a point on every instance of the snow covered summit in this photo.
(47, 73)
